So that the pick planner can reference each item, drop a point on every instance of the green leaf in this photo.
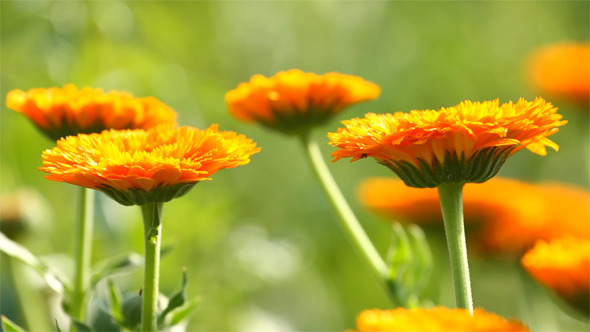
(81, 327)
(55, 281)
(177, 300)
(10, 326)
(422, 266)
(115, 300)
(400, 253)
(180, 313)
(117, 265)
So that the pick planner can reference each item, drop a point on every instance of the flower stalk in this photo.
(152, 226)
(451, 202)
(82, 251)
(347, 218)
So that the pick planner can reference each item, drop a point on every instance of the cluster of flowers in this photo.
(130, 149)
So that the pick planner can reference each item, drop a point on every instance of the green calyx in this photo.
(141, 197)
(297, 122)
(481, 167)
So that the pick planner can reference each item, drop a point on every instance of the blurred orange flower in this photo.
(293, 101)
(143, 166)
(66, 111)
(550, 210)
(563, 265)
(466, 143)
(562, 70)
(510, 215)
(434, 319)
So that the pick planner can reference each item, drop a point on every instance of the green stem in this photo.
(346, 216)
(152, 228)
(82, 251)
(451, 202)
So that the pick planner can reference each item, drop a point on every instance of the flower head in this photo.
(143, 166)
(562, 265)
(66, 111)
(562, 70)
(293, 101)
(434, 319)
(466, 143)
(544, 211)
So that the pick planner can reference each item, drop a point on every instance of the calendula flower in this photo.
(466, 143)
(143, 166)
(434, 319)
(509, 215)
(563, 265)
(548, 211)
(60, 112)
(482, 202)
(293, 101)
(562, 70)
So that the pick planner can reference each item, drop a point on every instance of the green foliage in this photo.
(254, 237)
(10, 326)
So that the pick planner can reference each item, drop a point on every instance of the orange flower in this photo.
(143, 166)
(562, 70)
(512, 215)
(434, 319)
(70, 111)
(466, 143)
(562, 265)
(481, 202)
(546, 211)
(293, 101)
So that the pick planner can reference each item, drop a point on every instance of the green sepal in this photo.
(481, 167)
(297, 122)
(160, 194)
(10, 326)
(64, 129)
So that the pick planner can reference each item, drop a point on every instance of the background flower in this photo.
(563, 265)
(66, 111)
(142, 166)
(434, 319)
(292, 101)
(190, 53)
(505, 215)
(562, 70)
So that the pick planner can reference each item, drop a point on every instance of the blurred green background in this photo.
(260, 243)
